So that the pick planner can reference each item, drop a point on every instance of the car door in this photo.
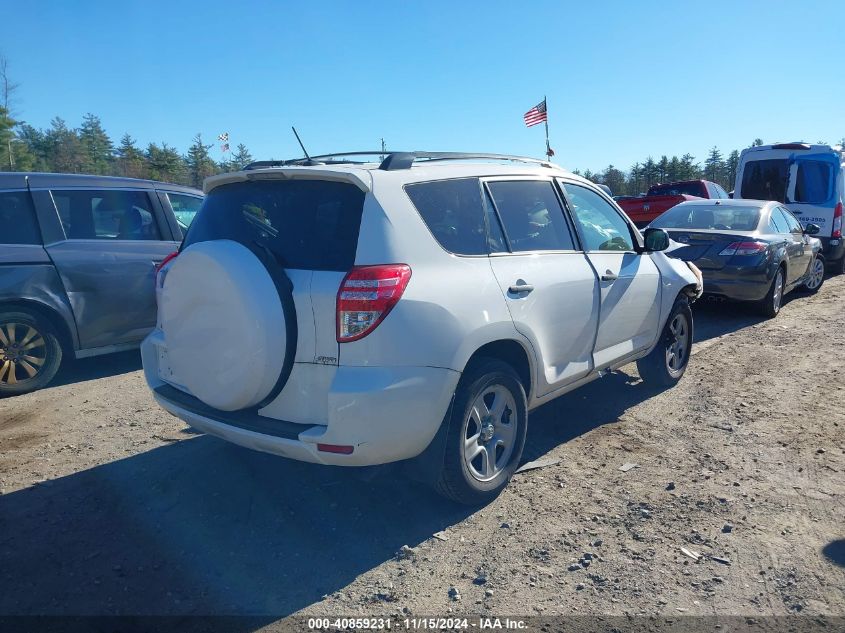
(629, 281)
(114, 238)
(798, 252)
(549, 286)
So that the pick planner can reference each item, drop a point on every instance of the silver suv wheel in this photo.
(490, 433)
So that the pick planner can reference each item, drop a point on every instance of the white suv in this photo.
(363, 313)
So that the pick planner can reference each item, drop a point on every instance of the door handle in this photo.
(609, 276)
(518, 288)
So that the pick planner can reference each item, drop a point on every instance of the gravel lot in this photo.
(111, 506)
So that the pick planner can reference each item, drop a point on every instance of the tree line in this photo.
(89, 149)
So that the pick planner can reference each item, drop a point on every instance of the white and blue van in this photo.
(809, 179)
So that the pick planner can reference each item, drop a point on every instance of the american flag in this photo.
(223, 137)
(535, 115)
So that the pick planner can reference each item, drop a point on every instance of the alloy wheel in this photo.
(489, 432)
(677, 348)
(816, 275)
(23, 352)
(777, 295)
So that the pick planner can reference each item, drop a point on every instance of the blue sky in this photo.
(623, 79)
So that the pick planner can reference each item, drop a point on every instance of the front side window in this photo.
(812, 181)
(531, 215)
(106, 214)
(184, 207)
(602, 228)
(17, 219)
(765, 180)
(453, 212)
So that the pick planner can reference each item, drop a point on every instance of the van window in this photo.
(453, 212)
(765, 180)
(106, 214)
(17, 219)
(812, 181)
(305, 224)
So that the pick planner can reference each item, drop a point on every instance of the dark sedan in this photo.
(748, 250)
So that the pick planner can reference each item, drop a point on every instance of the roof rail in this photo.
(404, 160)
(393, 160)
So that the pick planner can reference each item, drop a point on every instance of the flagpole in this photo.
(548, 147)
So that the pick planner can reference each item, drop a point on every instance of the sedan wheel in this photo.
(815, 276)
(777, 292)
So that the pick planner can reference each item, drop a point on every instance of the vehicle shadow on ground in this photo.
(835, 552)
(712, 319)
(73, 371)
(204, 527)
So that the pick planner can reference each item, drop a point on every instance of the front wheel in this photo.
(815, 275)
(30, 353)
(667, 362)
(486, 434)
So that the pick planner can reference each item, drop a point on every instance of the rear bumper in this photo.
(386, 414)
(738, 283)
(833, 250)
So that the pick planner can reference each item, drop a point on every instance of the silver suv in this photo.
(77, 267)
(414, 309)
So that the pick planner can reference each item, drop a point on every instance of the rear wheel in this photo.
(668, 361)
(770, 305)
(815, 275)
(486, 433)
(30, 353)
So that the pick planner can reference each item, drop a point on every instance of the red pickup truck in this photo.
(643, 209)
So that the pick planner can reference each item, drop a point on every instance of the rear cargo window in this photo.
(17, 219)
(676, 189)
(306, 224)
(719, 218)
(765, 180)
(453, 212)
(812, 182)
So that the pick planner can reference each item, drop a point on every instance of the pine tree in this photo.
(64, 151)
(164, 163)
(130, 159)
(240, 158)
(689, 168)
(713, 165)
(649, 171)
(614, 179)
(757, 142)
(674, 170)
(663, 169)
(635, 180)
(36, 148)
(731, 166)
(200, 163)
(98, 147)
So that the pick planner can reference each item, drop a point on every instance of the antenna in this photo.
(299, 140)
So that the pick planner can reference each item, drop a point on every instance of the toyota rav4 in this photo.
(357, 313)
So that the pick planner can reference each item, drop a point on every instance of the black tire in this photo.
(661, 368)
(457, 480)
(814, 276)
(771, 303)
(21, 353)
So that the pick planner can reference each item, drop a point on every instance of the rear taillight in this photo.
(837, 222)
(743, 248)
(366, 296)
(160, 272)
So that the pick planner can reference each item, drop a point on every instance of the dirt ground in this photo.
(111, 506)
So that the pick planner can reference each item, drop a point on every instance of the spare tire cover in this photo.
(223, 324)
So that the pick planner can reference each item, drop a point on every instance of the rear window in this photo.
(812, 181)
(765, 180)
(453, 212)
(306, 224)
(17, 219)
(719, 218)
(677, 189)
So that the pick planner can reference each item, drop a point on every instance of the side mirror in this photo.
(655, 240)
(811, 229)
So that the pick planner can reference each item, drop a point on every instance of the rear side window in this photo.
(765, 180)
(306, 224)
(453, 212)
(531, 215)
(17, 219)
(812, 181)
(184, 207)
(106, 214)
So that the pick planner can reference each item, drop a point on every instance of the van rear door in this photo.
(812, 194)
